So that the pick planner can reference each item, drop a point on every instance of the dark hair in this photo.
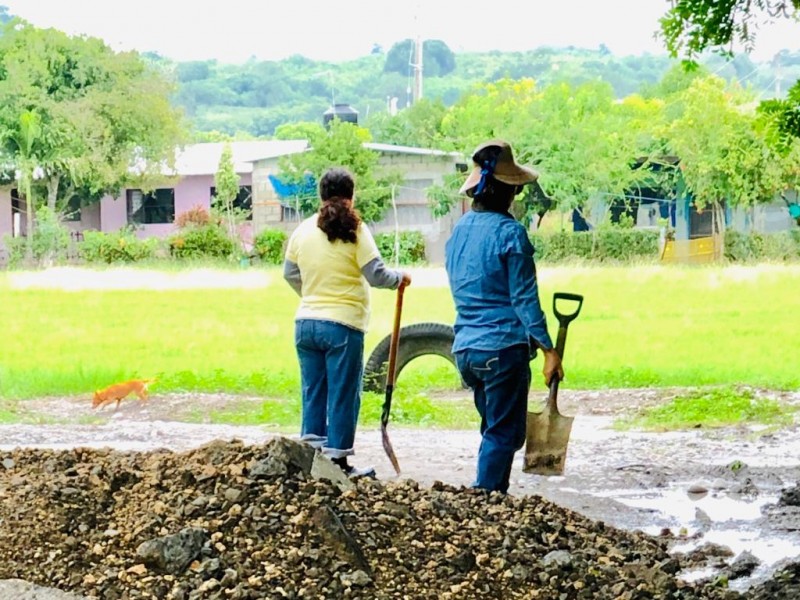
(496, 196)
(335, 218)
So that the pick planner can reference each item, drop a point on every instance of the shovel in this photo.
(547, 432)
(390, 378)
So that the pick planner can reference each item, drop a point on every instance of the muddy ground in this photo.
(698, 486)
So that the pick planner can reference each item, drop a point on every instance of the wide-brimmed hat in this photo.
(495, 158)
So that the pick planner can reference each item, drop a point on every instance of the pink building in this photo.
(191, 184)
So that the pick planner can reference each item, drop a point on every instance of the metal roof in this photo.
(392, 149)
(203, 159)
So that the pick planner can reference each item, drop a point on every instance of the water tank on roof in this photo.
(343, 112)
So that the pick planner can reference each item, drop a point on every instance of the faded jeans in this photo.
(500, 380)
(331, 359)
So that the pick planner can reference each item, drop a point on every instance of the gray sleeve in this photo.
(378, 275)
(291, 273)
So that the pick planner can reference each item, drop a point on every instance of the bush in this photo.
(196, 215)
(117, 246)
(603, 244)
(203, 241)
(752, 247)
(412, 247)
(50, 237)
(270, 245)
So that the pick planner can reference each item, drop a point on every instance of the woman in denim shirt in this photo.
(499, 321)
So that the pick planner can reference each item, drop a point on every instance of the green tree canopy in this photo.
(343, 145)
(691, 26)
(437, 58)
(105, 118)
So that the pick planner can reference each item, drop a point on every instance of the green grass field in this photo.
(640, 326)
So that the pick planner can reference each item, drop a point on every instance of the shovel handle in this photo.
(394, 342)
(553, 395)
(565, 318)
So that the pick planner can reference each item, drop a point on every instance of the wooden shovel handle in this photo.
(391, 375)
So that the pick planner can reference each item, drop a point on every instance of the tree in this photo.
(693, 26)
(25, 139)
(105, 118)
(723, 152)
(342, 145)
(437, 58)
(418, 125)
(226, 184)
(580, 139)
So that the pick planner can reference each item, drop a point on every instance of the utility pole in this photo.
(417, 69)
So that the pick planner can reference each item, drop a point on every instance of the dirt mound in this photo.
(237, 521)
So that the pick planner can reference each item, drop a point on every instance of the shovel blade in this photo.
(547, 438)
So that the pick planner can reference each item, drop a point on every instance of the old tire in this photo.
(416, 340)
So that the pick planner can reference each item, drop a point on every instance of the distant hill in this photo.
(257, 96)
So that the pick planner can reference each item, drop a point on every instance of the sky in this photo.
(232, 31)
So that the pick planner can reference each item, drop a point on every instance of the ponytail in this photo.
(338, 220)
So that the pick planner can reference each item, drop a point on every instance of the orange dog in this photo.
(118, 391)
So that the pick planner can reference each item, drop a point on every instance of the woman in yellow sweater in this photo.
(331, 260)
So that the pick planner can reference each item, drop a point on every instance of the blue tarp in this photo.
(289, 191)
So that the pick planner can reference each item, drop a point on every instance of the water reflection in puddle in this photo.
(680, 507)
(714, 518)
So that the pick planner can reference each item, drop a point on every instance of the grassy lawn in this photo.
(640, 326)
(714, 407)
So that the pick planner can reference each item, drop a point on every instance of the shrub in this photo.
(749, 247)
(602, 244)
(270, 245)
(203, 241)
(197, 215)
(411, 243)
(117, 246)
(50, 237)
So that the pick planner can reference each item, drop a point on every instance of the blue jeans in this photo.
(331, 359)
(500, 380)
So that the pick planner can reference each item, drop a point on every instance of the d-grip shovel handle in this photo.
(564, 319)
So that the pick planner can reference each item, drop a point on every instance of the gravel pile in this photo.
(235, 521)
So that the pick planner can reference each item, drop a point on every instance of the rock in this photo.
(742, 566)
(283, 457)
(8, 463)
(697, 489)
(560, 558)
(338, 539)
(784, 585)
(16, 589)
(173, 553)
(790, 496)
(323, 467)
(356, 578)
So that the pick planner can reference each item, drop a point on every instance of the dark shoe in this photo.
(352, 471)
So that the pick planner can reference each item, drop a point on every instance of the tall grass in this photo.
(640, 326)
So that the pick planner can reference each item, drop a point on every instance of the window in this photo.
(243, 200)
(156, 207)
(72, 210)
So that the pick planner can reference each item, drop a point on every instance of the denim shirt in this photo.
(489, 263)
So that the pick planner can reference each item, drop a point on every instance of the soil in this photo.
(690, 488)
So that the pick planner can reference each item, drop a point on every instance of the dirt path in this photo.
(631, 480)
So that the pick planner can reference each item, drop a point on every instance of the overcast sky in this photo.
(234, 30)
